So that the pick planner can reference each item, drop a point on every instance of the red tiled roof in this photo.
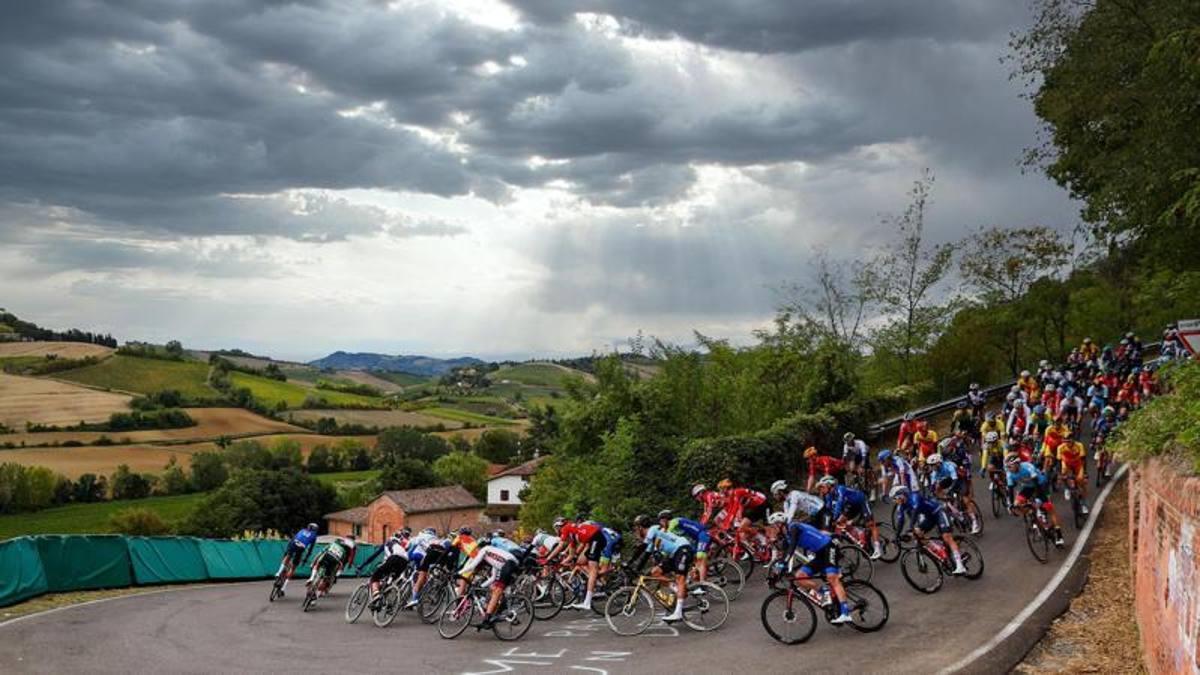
(425, 500)
(357, 515)
(494, 469)
(526, 469)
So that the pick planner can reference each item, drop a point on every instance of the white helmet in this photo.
(1024, 373)
(935, 459)
(898, 491)
(991, 437)
(697, 489)
(776, 518)
(827, 481)
(778, 486)
(974, 386)
(1049, 387)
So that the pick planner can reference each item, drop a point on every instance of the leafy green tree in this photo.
(129, 485)
(286, 453)
(463, 468)
(410, 443)
(25, 488)
(259, 500)
(90, 488)
(406, 473)
(497, 445)
(208, 471)
(138, 522)
(319, 459)
(248, 455)
(174, 480)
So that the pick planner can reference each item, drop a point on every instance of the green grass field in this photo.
(17, 364)
(346, 476)
(402, 379)
(271, 392)
(535, 374)
(93, 518)
(464, 416)
(145, 376)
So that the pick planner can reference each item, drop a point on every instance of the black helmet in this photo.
(665, 514)
(464, 530)
(642, 520)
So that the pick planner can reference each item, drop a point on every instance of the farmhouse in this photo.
(444, 508)
(504, 490)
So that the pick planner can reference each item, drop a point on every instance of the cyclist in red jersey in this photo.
(743, 507)
(711, 499)
(822, 465)
(904, 440)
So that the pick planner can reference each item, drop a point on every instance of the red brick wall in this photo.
(443, 521)
(384, 517)
(1164, 523)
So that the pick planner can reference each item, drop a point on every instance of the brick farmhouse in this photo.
(443, 508)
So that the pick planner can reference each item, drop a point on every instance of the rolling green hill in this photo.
(536, 374)
(145, 376)
(272, 392)
(93, 518)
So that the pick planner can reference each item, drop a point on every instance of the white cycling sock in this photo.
(587, 600)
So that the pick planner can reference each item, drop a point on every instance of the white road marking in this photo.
(1051, 586)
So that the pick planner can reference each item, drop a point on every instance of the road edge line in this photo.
(156, 591)
(1051, 586)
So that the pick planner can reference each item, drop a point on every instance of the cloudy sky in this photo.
(495, 178)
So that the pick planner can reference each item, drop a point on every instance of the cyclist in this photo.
(439, 551)
(301, 546)
(330, 563)
(904, 441)
(1055, 435)
(503, 558)
(695, 532)
(593, 542)
(926, 440)
(1097, 395)
(673, 554)
(1039, 421)
(823, 465)
(991, 457)
(743, 508)
(711, 499)
(1052, 399)
(947, 482)
(395, 561)
(857, 456)
(895, 470)
(1089, 350)
(964, 421)
(794, 503)
(822, 561)
(848, 506)
(1072, 456)
(1070, 408)
(1031, 485)
(926, 514)
(976, 399)
(1028, 384)
(543, 542)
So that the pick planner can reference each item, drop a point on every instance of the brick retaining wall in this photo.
(1164, 529)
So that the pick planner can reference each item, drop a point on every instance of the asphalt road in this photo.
(233, 629)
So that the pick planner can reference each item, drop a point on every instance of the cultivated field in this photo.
(211, 423)
(145, 376)
(63, 350)
(73, 462)
(457, 415)
(93, 518)
(361, 377)
(376, 418)
(272, 392)
(538, 375)
(25, 399)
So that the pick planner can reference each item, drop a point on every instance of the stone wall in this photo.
(1164, 523)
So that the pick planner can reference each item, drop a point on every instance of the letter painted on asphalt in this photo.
(608, 656)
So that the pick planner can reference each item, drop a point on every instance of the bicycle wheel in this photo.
(629, 611)
(748, 566)
(515, 619)
(855, 563)
(1039, 543)
(389, 606)
(788, 617)
(921, 570)
(357, 602)
(433, 600)
(896, 519)
(276, 589)
(998, 505)
(731, 578)
(309, 598)
(549, 598)
(706, 607)
(972, 557)
(456, 617)
(573, 587)
(1077, 510)
(868, 606)
(889, 544)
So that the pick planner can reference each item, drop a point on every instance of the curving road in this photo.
(233, 628)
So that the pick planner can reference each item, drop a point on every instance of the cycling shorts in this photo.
(596, 546)
(611, 547)
(434, 555)
(416, 558)
(756, 513)
(329, 565)
(926, 522)
(1029, 493)
(508, 572)
(294, 553)
(824, 562)
(393, 566)
(1074, 469)
(679, 562)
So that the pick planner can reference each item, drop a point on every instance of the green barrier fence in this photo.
(31, 566)
(21, 573)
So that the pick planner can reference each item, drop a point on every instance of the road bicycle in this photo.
(277, 587)
(631, 609)
(314, 591)
(396, 590)
(860, 538)
(513, 618)
(544, 589)
(1039, 533)
(1076, 502)
(730, 576)
(927, 561)
(747, 553)
(962, 517)
(789, 614)
(574, 581)
(435, 594)
(998, 487)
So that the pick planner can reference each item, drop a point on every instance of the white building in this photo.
(504, 490)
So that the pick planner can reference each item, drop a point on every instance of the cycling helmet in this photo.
(908, 417)
(665, 514)
(429, 530)
(464, 530)
(1024, 373)
(697, 489)
(934, 459)
(1011, 397)
(724, 484)
(397, 536)
(991, 437)
(961, 405)
(810, 452)
(827, 482)
(778, 486)
(1039, 409)
(1012, 461)
(559, 522)
(497, 534)
(848, 436)
(884, 455)
(898, 492)
(311, 526)
(1044, 363)
(1050, 387)
(1109, 411)
(1087, 340)
(538, 531)
(1125, 341)
(974, 386)
(989, 415)
(776, 518)
(642, 520)
(407, 531)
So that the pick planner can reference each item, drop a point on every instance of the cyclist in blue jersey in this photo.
(694, 531)
(846, 506)
(822, 561)
(1031, 487)
(895, 470)
(949, 479)
(926, 514)
(299, 551)
(673, 554)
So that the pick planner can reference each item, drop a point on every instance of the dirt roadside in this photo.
(1098, 633)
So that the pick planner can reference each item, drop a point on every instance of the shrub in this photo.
(258, 500)
(139, 522)
(464, 468)
(90, 488)
(129, 485)
(26, 488)
(1169, 423)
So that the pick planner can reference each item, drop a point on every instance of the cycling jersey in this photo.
(842, 500)
(1025, 475)
(963, 421)
(900, 472)
(907, 429)
(545, 541)
(945, 471)
(579, 533)
(1072, 455)
(507, 545)
(342, 551)
(996, 426)
(801, 504)
(1039, 423)
(503, 564)
(421, 542)
(856, 450)
(924, 511)
(1053, 438)
(976, 399)
(826, 465)
(661, 541)
(926, 440)
(713, 502)
(743, 502)
(305, 538)
(694, 531)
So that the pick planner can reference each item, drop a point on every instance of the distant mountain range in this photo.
(424, 366)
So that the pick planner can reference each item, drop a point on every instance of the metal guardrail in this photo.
(949, 404)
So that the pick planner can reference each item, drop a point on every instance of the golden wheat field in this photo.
(27, 399)
(74, 462)
(63, 350)
(211, 423)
